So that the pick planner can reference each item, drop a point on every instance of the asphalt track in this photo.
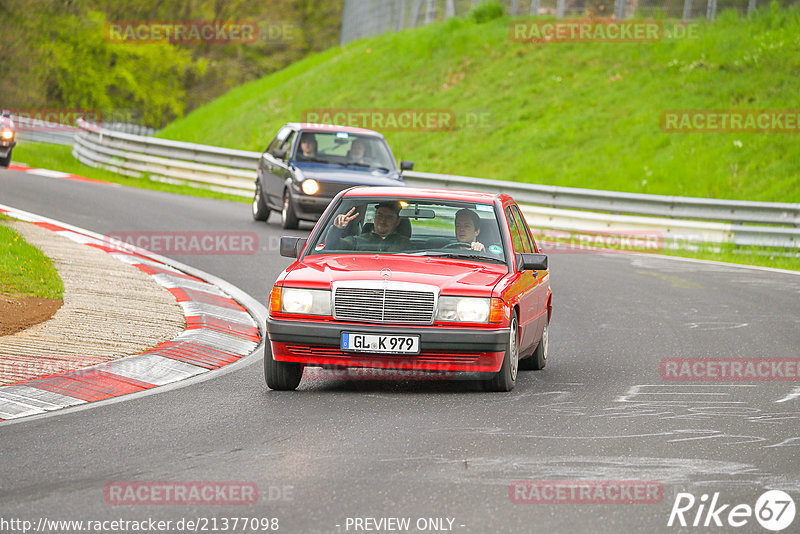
(339, 449)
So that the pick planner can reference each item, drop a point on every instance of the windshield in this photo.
(344, 149)
(450, 229)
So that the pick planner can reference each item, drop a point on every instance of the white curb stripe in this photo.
(226, 314)
(21, 401)
(180, 283)
(218, 340)
(153, 369)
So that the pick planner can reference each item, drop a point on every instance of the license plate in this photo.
(389, 344)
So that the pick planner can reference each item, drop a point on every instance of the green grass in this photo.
(59, 158)
(568, 114)
(24, 270)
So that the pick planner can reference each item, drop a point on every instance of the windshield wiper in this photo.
(458, 256)
(367, 165)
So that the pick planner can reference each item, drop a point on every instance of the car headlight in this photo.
(300, 301)
(8, 134)
(464, 309)
(310, 187)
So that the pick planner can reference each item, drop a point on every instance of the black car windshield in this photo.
(345, 149)
(440, 228)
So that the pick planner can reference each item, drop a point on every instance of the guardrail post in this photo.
(711, 10)
(430, 12)
(687, 9)
(619, 9)
(449, 9)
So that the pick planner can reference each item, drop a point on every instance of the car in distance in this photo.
(412, 279)
(306, 165)
(7, 138)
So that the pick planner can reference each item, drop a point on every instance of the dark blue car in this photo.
(306, 165)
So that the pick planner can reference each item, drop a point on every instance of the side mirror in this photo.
(279, 153)
(291, 247)
(531, 262)
(406, 166)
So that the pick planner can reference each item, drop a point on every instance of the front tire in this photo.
(288, 216)
(260, 209)
(280, 376)
(538, 360)
(6, 161)
(506, 377)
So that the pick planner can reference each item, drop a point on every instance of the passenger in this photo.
(383, 237)
(468, 226)
(358, 152)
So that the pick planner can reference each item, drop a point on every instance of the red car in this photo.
(412, 279)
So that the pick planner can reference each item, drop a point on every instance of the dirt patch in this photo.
(19, 313)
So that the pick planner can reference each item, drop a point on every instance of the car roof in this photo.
(420, 192)
(326, 128)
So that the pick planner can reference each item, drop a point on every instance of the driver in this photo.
(383, 237)
(468, 226)
(308, 146)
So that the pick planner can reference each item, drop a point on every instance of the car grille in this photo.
(383, 305)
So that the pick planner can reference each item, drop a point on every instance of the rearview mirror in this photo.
(412, 213)
(291, 247)
(406, 165)
(531, 262)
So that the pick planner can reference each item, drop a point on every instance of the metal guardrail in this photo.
(679, 219)
(219, 169)
(43, 132)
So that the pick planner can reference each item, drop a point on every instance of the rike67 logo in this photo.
(774, 510)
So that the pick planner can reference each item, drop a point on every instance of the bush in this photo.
(486, 11)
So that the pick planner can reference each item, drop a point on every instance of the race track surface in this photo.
(339, 449)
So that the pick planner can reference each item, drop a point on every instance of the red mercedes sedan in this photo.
(431, 280)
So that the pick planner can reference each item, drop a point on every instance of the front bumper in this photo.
(6, 147)
(310, 208)
(477, 350)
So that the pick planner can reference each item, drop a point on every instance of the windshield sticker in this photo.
(342, 135)
(494, 249)
(484, 207)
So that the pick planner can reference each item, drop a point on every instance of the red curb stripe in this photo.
(208, 298)
(76, 178)
(213, 323)
(117, 250)
(49, 226)
(194, 354)
(179, 294)
(152, 269)
(90, 385)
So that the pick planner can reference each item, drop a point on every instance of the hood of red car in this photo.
(454, 277)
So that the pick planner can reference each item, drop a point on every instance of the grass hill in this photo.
(572, 114)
